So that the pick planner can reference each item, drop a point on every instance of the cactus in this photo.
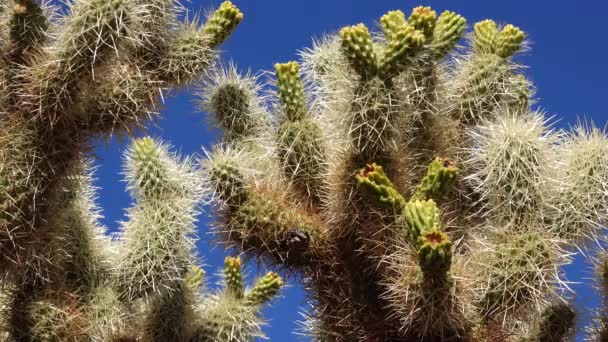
(102, 70)
(445, 204)
(414, 189)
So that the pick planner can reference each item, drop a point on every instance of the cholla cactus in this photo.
(102, 69)
(412, 187)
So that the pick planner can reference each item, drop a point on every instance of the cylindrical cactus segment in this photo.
(486, 35)
(375, 182)
(423, 18)
(233, 276)
(399, 50)
(222, 23)
(509, 41)
(265, 289)
(150, 173)
(392, 22)
(434, 252)
(448, 30)
(195, 279)
(357, 46)
(227, 181)
(422, 216)
(290, 90)
(440, 175)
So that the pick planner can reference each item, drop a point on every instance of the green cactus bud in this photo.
(233, 277)
(434, 252)
(509, 41)
(448, 30)
(265, 289)
(195, 279)
(392, 22)
(290, 90)
(421, 216)
(486, 36)
(222, 23)
(357, 46)
(375, 182)
(150, 173)
(396, 55)
(439, 177)
(423, 19)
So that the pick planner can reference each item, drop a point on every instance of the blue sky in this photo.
(567, 64)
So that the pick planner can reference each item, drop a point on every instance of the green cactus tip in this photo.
(421, 216)
(359, 49)
(222, 23)
(448, 30)
(265, 289)
(373, 179)
(392, 22)
(440, 175)
(434, 252)
(234, 276)
(423, 18)
(291, 90)
(509, 41)
(504, 43)
(195, 278)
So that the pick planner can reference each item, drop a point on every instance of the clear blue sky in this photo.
(567, 63)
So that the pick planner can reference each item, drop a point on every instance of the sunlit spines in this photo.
(226, 179)
(236, 103)
(519, 271)
(511, 164)
(577, 209)
(188, 54)
(156, 242)
(301, 149)
(221, 23)
(91, 34)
